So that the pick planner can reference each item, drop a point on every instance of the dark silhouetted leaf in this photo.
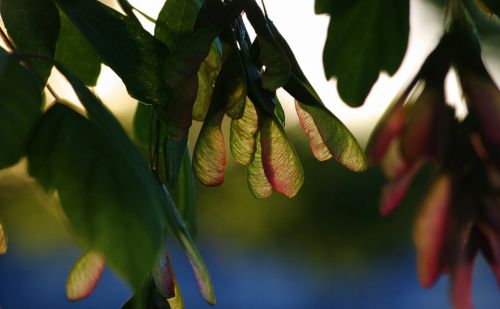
(76, 53)
(365, 37)
(84, 275)
(142, 124)
(20, 108)
(147, 298)
(34, 28)
(271, 55)
(493, 5)
(185, 60)
(174, 151)
(260, 96)
(176, 20)
(134, 54)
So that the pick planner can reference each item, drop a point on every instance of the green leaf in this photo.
(105, 187)
(143, 117)
(365, 37)
(20, 108)
(328, 136)
(185, 60)
(271, 55)
(279, 159)
(185, 195)
(134, 54)
(84, 275)
(76, 53)
(174, 151)
(176, 20)
(34, 27)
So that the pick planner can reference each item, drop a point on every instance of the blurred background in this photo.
(326, 248)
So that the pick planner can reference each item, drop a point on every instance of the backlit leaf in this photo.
(140, 56)
(243, 135)
(327, 135)
(33, 25)
(431, 230)
(256, 177)
(76, 53)
(84, 275)
(365, 37)
(333, 134)
(209, 157)
(277, 67)
(279, 159)
(20, 108)
(207, 75)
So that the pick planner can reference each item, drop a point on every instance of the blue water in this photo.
(247, 280)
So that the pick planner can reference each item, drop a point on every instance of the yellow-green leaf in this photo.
(256, 178)
(209, 157)
(243, 134)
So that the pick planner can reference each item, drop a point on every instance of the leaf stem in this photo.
(28, 65)
(265, 10)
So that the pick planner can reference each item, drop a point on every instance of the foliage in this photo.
(200, 63)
